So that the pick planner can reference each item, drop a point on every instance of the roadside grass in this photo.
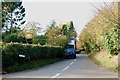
(32, 65)
(106, 60)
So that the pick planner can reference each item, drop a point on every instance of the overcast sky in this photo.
(78, 12)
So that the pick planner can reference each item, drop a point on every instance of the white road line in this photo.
(75, 60)
(56, 75)
(66, 68)
(71, 63)
(0, 77)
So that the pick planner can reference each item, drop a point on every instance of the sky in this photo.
(44, 12)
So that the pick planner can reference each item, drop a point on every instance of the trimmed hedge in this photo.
(11, 52)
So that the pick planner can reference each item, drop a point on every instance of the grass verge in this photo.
(32, 65)
(106, 60)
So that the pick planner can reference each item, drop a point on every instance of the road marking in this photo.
(66, 68)
(71, 63)
(56, 75)
(75, 60)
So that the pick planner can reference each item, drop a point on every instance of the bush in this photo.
(11, 52)
(111, 41)
(42, 39)
(30, 41)
(89, 43)
(11, 38)
(21, 39)
(14, 38)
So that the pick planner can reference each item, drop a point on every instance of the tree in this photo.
(0, 14)
(71, 25)
(69, 30)
(32, 28)
(13, 14)
(64, 30)
(52, 24)
(56, 37)
(102, 31)
(60, 35)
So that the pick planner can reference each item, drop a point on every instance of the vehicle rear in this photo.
(70, 52)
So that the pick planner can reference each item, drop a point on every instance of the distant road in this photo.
(81, 67)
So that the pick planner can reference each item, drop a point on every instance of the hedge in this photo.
(11, 52)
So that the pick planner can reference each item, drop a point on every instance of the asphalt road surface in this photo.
(81, 67)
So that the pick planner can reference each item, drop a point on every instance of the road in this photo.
(81, 67)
